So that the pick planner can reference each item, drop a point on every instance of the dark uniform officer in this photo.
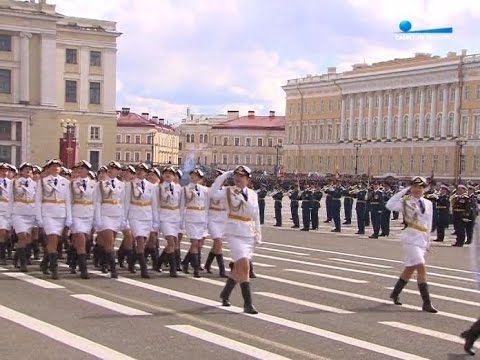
(460, 208)
(307, 197)
(317, 197)
(336, 203)
(261, 194)
(294, 198)
(433, 197)
(376, 208)
(347, 205)
(471, 215)
(385, 222)
(328, 206)
(360, 208)
(443, 213)
(278, 196)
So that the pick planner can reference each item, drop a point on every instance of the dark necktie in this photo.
(84, 184)
(55, 182)
(196, 190)
(143, 186)
(4, 183)
(244, 194)
(26, 183)
(113, 183)
(171, 188)
(422, 206)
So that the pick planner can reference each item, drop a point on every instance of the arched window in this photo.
(364, 129)
(347, 129)
(188, 138)
(416, 127)
(355, 129)
(205, 138)
(384, 128)
(428, 124)
(374, 128)
(438, 125)
(405, 127)
(450, 124)
(201, 138)
(192, 138)
(395, 127)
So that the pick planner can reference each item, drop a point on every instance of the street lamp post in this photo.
(69, 125)
(460, 143)
(357, 146)
(277, 166)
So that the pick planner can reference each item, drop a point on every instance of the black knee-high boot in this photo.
(103, 260)
(186, 262)
(131, 260)
(471, 335)
(173, 265)
(247, 298)
(161, 259)
(397, 290)
(227, 291)
(178, 259)
(143, 266)
(155, 259)
(53, 259)
(121, 256)
(2, 254)
(82, 264)
(28, 253)
(112, 260)
(221, 265)
(22, 256)
(15, 259)
(195, 260)
(96, 255)
(44, 263)
(427, 304)
(36, 250)
(200, 267)
(208, 263)
(252, 274)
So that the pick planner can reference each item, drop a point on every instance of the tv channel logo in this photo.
(406, 32)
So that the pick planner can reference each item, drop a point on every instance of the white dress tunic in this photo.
(141, 207)
(242, 228)
(53, 204)
(196, 202)
(5, 204)
(416, 237)
(217, 217)
(84, 191)
(24, 212)
(170, 205)
(110, 202)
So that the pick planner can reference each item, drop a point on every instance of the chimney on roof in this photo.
(155, 119)
(332, 70)
(251, 113)
(272, 113)
(145, 116)
(161, 121)
(464, 52)
(232, 114)
(451, 54)
(125, 111)
(188, 112)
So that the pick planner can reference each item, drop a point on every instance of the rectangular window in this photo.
(225, 141)
(435, 162)
(117, 156)
(224, 159)
(452, 94)
(280, 141)
(5, 130)
(476, 123)
(5, 42)
(149, 139)
(270, 142)
(237, 142)
(447, 164)
(136, 157)
(247, 159)
(128, 139)
(127, 157)
(149, 157)
(466, 92)
(248, 142)
(94, 133)
(236, 159)
(137, 139)
(5, 81)
(94, 92)
(119, 139)
(71, 91)
(259, 160)
(71, 56)
(215, 141)
(269, 160)
(259, 142)
(95, 58)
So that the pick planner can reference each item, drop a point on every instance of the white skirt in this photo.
(23, 223)
(140, 227)
(82, 225)
(5, 223)
(169, 228)
(216, 229)
(195, 231)
(241, 247)
(53, 226)
(113, 223)
(414, 255)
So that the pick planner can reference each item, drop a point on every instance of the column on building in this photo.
(25, 66)
(456, 118)
(433, 111)
(443, 133)
(84, 85)
(400, 115)
(380, 116)
(109, 79)
(409, 134)
(350, 122)
(421, 126)
(342, 121)
(371, 99)
(360, 117)
(48, 69)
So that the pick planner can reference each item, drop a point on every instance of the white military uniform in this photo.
(24, 214)
(170, 203)
(5, 204)
(83, 191)
(242, 229)
(110, 202)
(217, 217)
(196, 202)
(53, 203)
(416, 237)
(141, 207)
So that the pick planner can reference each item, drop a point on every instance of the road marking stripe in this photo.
(283, 251)
(359, 296)
(355, 281)
(62, 336)
(423, 331)
(441, 297)
(226, 342)
(273, 319)
(367, 272)
(361, 263)
(110, 305)
(230, 259)
(33, 280)
(305, 303)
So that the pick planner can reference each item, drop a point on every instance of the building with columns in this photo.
(419, 115)
(140, 136)
(54, 67)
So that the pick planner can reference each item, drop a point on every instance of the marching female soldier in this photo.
(141, 212)
(196, 202)
(170, 201)
(5, 209)
(36, 175)
(217, 217)
(110, 212)
(181, 231)
(127, 246)
(24, 212)
(418, 217)
(242, 231)
(83, 190)
(152, 245)
(54, 211)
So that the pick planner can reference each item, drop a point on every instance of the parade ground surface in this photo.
(320, 296)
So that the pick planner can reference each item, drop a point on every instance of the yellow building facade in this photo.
(54, 67)
(403, 117)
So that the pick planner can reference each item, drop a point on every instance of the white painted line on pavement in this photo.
(361, 263)
(62, 336)
(230, 259)
(359, 296)
(33, 280)
(110, 305)
(441, 297)
(423, 331)
(305, 303)
(222, 341)
(281, 251)
(273, 319)
(355, 281)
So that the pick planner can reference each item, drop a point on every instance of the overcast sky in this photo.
(219, 55)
